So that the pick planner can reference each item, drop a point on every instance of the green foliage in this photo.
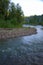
(34, 20)
(11, 15)
(19, 14)
(9, 24)
(4, 5)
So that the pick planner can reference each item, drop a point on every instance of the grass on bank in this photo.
(10, 24)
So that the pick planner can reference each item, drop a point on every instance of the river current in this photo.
(26, 50)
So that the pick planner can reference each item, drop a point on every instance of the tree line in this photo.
(34, 20)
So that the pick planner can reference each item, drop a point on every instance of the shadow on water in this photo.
(26, 50)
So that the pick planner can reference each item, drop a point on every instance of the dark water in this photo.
(27, 50)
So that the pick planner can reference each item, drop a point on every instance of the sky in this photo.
(30, 7)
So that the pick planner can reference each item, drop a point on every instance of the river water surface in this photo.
(26, 50)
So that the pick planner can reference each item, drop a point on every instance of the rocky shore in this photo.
(16, 32)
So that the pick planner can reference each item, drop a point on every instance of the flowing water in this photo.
(26, 50)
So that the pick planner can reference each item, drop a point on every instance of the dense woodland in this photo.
(11, 15)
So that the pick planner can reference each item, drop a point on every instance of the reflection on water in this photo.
(27, 50)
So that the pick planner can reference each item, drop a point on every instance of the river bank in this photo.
(15, 32)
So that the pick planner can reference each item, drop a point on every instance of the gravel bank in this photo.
(16, 32)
